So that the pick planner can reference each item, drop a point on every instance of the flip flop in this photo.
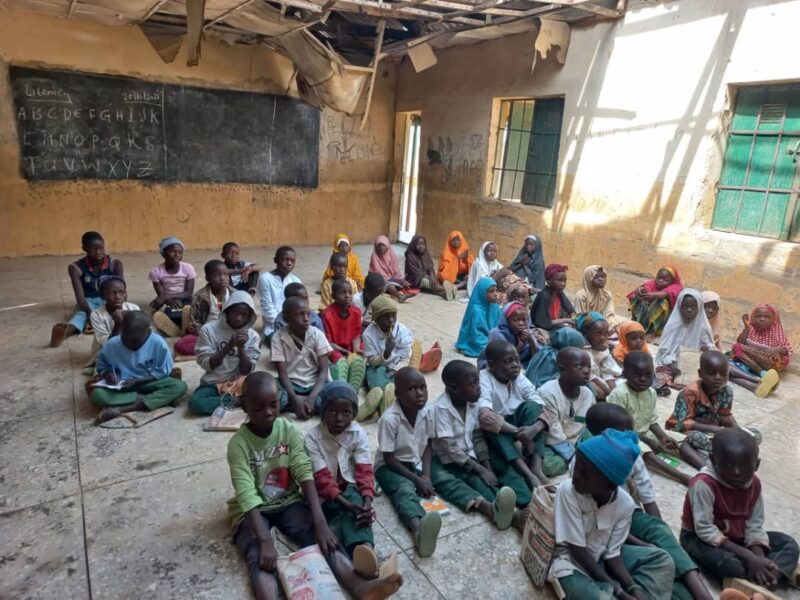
(371, 403)
(428, 533)
(388, 397)
(768, 383)
(389, 567)
(365, 561)
(503, 507)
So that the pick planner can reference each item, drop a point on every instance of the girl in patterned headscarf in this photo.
(763, 348)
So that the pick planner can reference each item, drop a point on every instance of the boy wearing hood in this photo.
(228, 350)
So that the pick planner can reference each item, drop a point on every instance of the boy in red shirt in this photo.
(342, 322)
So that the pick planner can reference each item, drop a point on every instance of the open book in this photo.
(225, 420)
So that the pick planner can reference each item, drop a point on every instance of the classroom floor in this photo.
(92, 512)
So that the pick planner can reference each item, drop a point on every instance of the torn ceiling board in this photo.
(422, 57)
(553, 37)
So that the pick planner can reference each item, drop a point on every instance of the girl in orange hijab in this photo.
(342, 244)
(631, 337)
(455, 261)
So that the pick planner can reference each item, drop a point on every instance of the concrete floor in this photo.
(91, 512)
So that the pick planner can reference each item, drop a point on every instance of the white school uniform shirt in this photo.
(603, 364)
(397, 435)
(503, 398)
(375, 343)
(564, 428)
(302, 364)
(339, 453)
(103, 323)
(579, 521)
(447, 422)
(366, 313)
(270, 296)
(639, 485)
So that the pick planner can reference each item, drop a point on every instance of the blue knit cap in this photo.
(613, 453)
(334, 390)
(583, 320)
(169, 241)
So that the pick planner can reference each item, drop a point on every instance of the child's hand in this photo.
(525, 335)
(326, 541)
(174, 303)
(116, 316)
(111, 378)
(669, 445)
(762, 570)
(240, 338)
(268, 557)
(424, 487)
(487, 475)
(301, 406)
(365, 515)
(390, 345)
(157, 303)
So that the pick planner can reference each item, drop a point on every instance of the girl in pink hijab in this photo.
(384, 262)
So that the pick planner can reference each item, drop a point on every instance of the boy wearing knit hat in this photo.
(387, 349)
(592, 520)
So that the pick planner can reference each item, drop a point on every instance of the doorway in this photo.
(409, 183)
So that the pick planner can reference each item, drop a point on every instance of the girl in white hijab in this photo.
(485, 265)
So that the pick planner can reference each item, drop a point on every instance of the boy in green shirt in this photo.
(269, 471)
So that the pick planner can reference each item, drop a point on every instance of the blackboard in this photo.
(73, 125)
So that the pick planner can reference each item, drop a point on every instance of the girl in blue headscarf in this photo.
(542, 367)
(514, 327)
(482, 315)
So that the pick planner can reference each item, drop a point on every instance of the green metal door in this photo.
(758, 188)
(539, 186)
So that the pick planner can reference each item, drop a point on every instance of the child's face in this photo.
(455, 243)
(689, 309)
(467, 390)
(762, 319)
(381, 249)
(218, 278)
(301, 293)
(173, 254)
(344, 247)
(639, 376)
(663, 279)
(420, 246)
(412, 392)
(711, 309)
(597, 335)
(238, 316)
(285, 262)
(493, 295)
(530, 246)
(736, 466)
(262, 407)
(635, 340)
(134, 338)
(518, 321)
(298, 319)
(490, 252)
(713, 374)
(588, 479)
(115, 294)
(386, 321)
(599, 280)
(558, 282)
(577, 369)
(95, 251)
(231, 255)
(372, 291)
(339, 266)
(521, 295)
(338, 415)
(343, 296)
(507, 366)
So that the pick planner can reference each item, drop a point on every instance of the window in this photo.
(526, 155)
(758, 187)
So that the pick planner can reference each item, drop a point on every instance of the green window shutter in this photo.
(541, 166)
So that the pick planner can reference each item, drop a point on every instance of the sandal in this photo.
(365, 561)
(768, 383)
(503, 507)
(428, 534)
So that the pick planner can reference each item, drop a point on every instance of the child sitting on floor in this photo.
(505, 278)
(566, 401)
(605, 370)
(141, 363)
(461, 471)
(300, 353)
(207, 304)
(387, 349)
(173, 282)
(272, 286)
(711, 306)
(455, 261)
(485, 265)
(85, 275)
(420, 272)
(511, 411)
(273, 486)
(403, 459)
(243, 275)
(520, 292)
(647, 527)
(384, 262)
(551, 308)
(342, 323)
(338, 270)
(342, 465)
(297, 290)
(705, 407)
(227, 350)
(482, 315)
(762, 350)
(594, 297)
(341, 245)
(631, 339)
(543, 366)
(106, 319)
(723, 523)
(652, 302)
(638, 398)
(516, 329)
(529, 262)
(374, 286)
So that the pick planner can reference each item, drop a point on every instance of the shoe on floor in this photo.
(365, 561)
(752, 590)
(371, 403)
(503, 508)
(165, 324)
(768, 383)
(388, 397)
(428, 534)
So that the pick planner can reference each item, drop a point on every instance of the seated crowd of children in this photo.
(563, 387)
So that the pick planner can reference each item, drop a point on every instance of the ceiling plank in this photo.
(599, 10)
(375, 63)
(384, 9)
(152, 11)
(227, 13)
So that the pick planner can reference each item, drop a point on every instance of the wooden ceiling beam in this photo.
(599, 10)
(227, 13)
(152, 11)
(384, 9)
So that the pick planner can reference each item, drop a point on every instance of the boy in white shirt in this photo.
(271, 285)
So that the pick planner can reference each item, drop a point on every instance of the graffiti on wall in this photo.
(344, 141)
(461, 156)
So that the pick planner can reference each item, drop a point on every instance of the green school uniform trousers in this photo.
(461, 487)
(526, 414)
(155, 394)
(651, 569)
(402, 492)
(378, 377)
(343, 523)
(205, 399)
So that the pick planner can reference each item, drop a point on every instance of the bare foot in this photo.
(518, 522)
(106, 415)
(61, 331)
(377, 589)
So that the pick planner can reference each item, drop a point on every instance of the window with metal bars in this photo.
(757, 191)
(526, 155)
